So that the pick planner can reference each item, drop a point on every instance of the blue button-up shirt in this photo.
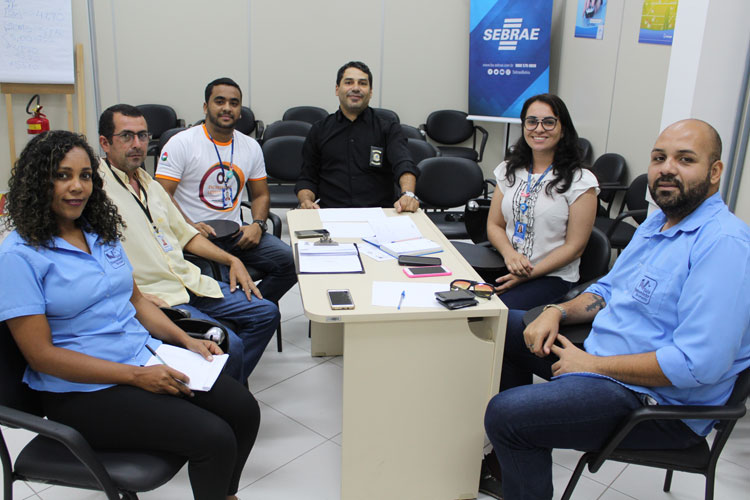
(685, 294)
(85, 297)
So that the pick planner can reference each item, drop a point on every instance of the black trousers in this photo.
(214, 430)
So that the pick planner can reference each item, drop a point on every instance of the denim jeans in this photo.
(256, 322)
(273, 257)
(526, 422)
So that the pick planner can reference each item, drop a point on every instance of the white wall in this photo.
(286, 52)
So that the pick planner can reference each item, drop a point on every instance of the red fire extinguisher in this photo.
(39, 122)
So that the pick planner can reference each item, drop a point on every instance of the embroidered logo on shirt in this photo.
(376, 156)
(114, 256)
(644, 290)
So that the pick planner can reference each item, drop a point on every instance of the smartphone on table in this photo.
(311, 233)
(340, 299)
(418, 260)
(426, 271)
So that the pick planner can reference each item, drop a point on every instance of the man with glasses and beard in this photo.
(205, 168)
(671, 325)
(354, 158)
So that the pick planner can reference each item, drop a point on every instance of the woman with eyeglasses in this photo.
(543, 207)
(68, 296)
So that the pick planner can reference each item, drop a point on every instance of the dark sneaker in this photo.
(489, 478)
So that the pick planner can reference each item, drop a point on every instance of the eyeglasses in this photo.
(484, 290)
(548, 123)
(127, 136)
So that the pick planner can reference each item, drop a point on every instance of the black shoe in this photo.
(489, 478)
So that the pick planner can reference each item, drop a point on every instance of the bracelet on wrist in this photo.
(559, 308)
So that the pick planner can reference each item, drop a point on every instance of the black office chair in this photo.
(286, 127)
(617, 230)
(446, 182)
(610, 170)
(247, 124)
(163, 139)
(310, 114)
(387, 114)
(420, 150)
(699, 459)
(452, 127)
(59, 454)
(587, 151)
(413, 132)
(159, 118)
(283, 156)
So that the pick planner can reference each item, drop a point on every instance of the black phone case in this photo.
(459, 304)
(453, 295)
(414, 261)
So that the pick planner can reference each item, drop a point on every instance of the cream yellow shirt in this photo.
(161, 272)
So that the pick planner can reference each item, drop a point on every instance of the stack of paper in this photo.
(338, 258)
(420, 246)
(202, 373)
(400, 236)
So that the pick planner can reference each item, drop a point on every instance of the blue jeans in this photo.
(273, 257)
(526, 422)
(256, 321)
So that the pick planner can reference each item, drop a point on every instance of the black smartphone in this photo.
(418, 260)
(311, 233)
(451, 295)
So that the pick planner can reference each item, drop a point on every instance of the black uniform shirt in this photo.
(354, 163)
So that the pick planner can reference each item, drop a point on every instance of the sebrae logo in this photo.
(511, 33)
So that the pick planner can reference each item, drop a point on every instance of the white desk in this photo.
(416, 380)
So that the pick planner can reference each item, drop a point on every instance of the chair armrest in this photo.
(667, 412)
(174, 313)
(275, 219)
(485, 135)
(197, 327)
(619, 219)
(259, 129)
(69, 437)
(180, 122)
(577, 290)
(194, 259)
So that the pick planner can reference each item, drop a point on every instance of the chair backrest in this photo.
(739, 396)
(387, 114)
(246, 124)
(587, 151)
(447, 182)
(159, 118)
(596, 256)
(283, 156)
(286, 127)
(609, 168)
(13, 392)
(635, 197)
(449, 126)
(420, 150)
(412, 132)
(309, 114)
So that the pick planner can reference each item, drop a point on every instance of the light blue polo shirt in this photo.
(86, 299)
(684, 293)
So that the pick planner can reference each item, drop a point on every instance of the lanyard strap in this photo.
(529, 189)
(145, 194)
(218, 155)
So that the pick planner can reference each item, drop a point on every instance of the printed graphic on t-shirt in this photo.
(220, 187)
(114, 257)
(644, 289)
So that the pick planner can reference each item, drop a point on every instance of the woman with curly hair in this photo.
(543, 208)
(68, 296)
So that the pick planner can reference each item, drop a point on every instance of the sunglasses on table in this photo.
(484, 290)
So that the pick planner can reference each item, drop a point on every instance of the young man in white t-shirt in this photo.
(205, 169)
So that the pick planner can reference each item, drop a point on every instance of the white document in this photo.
(397, 228)
(388, 294)
(202, 373)
(375, 253)
(341, 258)
(350, 214)
(420, 246)
(349, 229)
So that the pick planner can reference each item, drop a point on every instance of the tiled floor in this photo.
(298, 452)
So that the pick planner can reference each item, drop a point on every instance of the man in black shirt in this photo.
(353, 158)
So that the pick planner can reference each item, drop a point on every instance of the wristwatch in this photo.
(408, 193)
(263, 225)
(563, 312)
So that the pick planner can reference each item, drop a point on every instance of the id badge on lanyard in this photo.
(161, 239)
(519, 230)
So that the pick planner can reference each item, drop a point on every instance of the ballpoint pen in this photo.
(156, 355)
(401, 300)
